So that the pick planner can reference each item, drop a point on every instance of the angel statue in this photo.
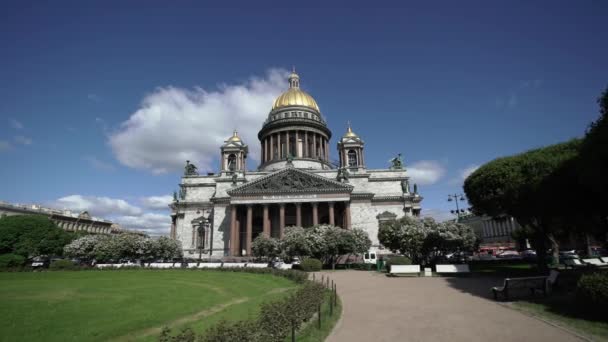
(396, 163)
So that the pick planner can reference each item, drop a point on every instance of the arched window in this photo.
(352, 158)
(231, 162)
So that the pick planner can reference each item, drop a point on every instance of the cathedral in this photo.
(219, 215)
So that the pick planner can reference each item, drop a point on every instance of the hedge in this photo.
(274, 323)
(398, 260)
(311, 265)
(11, 261)
(63, 264)
(592, 289)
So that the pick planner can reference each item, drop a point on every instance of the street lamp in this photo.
(456, 198)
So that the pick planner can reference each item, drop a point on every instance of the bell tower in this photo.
(350, 149)
(234, 155)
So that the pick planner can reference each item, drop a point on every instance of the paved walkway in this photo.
(378, 308)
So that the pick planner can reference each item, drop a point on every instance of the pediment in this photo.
(291, 180)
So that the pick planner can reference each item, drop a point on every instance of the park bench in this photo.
(405, 269)
(452, 269)
(256, 265)
(574, 263)
(604, 259)
(595, 262)
(540, 283)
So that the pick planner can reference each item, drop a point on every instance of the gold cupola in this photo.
(294, 96)
(349, 133)
(235, 136)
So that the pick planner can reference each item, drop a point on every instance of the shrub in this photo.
(59, 265)
(311, 265)
(11, 261)
(592, 289)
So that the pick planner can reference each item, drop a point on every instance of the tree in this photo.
(361, 241)
(167, 249)
(405, 236)
(593, 163)
(515, 186)
(295, 242)
(31, 236)
(264, 246)
(424, 240)
(83, 248)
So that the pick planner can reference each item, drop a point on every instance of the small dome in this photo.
(350, 134)
(235, 137)
(294, 96)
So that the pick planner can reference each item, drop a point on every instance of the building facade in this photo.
(295, 185)
(65, 219)
(494, 231)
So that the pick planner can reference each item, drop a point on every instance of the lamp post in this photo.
(456, 198)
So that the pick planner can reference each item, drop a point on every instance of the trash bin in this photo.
(379, 265)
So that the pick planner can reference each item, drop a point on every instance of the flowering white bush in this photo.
(121, 247)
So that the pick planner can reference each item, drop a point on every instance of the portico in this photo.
(289, 197)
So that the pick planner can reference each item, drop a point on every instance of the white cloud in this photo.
(20, 139)
(157, 202)
(426, 172)
(98, 164)
(173, 124)
(439, 215)
(4, 145)
(151, 223)
(16, 124)
(97, 206)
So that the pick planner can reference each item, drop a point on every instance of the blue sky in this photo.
(101, 102)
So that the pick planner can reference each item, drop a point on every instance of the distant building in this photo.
(493, 231)
(65, 219)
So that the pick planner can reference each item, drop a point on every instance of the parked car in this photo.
(528, 255)
(567, 255)
(509, 254)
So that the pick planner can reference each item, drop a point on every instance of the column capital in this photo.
(331, 204)
(314, 204)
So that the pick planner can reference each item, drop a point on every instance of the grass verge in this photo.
(563, 310)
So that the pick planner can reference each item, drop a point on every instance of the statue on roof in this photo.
(396, 163)
(405, 186)
(190, 169)
(182, 193)
(415, 189)
(175, 196)
(343, 175)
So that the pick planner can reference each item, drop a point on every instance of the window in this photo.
(352, 158)
(231, 162)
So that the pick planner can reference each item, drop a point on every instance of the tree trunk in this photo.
(554, 248)
(541, 251)
(333, 263)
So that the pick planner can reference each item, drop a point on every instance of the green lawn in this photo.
(126, 305)
(563, 310)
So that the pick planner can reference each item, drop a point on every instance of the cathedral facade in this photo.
(295, 184)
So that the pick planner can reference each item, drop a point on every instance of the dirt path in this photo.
(377, 308)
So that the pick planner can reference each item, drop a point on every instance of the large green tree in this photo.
(31, 236)
(517, 186)
(593, 165)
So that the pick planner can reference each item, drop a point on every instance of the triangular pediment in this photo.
(291, 180)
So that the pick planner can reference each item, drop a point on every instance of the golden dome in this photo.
(294, 96)
(235, 137)
(350, 133)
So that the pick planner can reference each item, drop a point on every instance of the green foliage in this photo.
(423, 240)
(274, 323)
(264, 246)
(31, 236)
(517, 186)
(399, 260)
(11, 261)
(311, 265)
(225, 331)
(592, 289)
(295, 242)
(594, 155)
(62, 265)
(324, 242)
